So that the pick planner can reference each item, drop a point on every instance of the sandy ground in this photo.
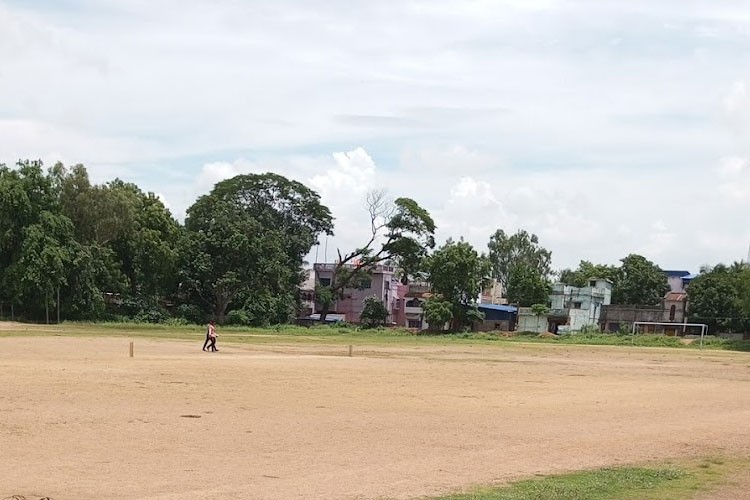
(79, 419)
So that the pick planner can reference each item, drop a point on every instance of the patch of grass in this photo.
(340, 334)
(668, 482)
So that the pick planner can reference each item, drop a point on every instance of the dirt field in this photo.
(79, 419)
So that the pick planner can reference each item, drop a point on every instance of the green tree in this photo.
(374, 312)
(457, 273)
(526, 286)
(539, 310)
(586, 271)
(400, 232)
(437, 312)
(641, 282)
(36, 241)
(245, 244)
(719, 298)
(509, 254)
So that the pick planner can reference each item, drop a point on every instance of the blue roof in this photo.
(498, 307)
(677, 274)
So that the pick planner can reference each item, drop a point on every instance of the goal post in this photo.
(703, 327)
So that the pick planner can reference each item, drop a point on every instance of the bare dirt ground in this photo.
(79, 419)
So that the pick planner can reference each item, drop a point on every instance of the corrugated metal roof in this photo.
(498, 307)
(676, 274)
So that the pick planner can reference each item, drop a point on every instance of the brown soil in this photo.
(81, 420)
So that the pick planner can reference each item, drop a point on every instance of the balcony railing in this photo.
(378, 268)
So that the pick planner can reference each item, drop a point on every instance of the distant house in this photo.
(673, 309)
(416, 294)
(678, 280)
(493, 294)
(496, 317)
(381, 282)
(571, 308)
(307, 294)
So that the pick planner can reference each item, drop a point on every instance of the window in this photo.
(576, 305)
(415, 323)
(325, 281)
(672, 311)
(365, 284)
(592, 283)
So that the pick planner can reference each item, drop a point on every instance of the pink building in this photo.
(381, 283)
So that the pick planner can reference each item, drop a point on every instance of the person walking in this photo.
(212, 335)
(211, 327)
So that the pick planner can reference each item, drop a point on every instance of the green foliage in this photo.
(474, 315)
(540, 309)
(720, 298)
(586, 271)
(324, 296)
(374, 313)
(526, 286)
(247, 239)
(401, 233)
(519, 254)
(437, 312)
(191, 313)
(238, 317)
(457, 273)
(640, 282)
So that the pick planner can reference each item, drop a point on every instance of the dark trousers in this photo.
(208, 339)
(212, 346)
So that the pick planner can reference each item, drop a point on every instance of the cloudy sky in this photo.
(605, 127)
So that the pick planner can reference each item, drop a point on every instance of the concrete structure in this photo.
(673, 309)
(307, 295)
(381, 283)
(493, 294)
(571, 308)
(678, 280)
(416, 294)
(496, 317)
(527, 321)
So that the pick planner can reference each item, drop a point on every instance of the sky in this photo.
(604, 127)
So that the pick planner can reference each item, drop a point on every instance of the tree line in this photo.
(111, 251)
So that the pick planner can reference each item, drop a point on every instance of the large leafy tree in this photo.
(245, 245)
(719, 298)
(128, 243)
(37, 243)
(587, 270)
(457, 273)
(526, 286)
(640, 282)
(518, 254)
(400, 232)
(438, 312)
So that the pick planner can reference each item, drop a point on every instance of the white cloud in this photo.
(586, 124)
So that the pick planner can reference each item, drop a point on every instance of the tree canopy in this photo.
(245, 243)
(640, 282)
(457, 274)
(400, 231)
(720, 298)
(521, 265)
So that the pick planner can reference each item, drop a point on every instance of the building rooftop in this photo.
(676, 274)
(498, 307)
